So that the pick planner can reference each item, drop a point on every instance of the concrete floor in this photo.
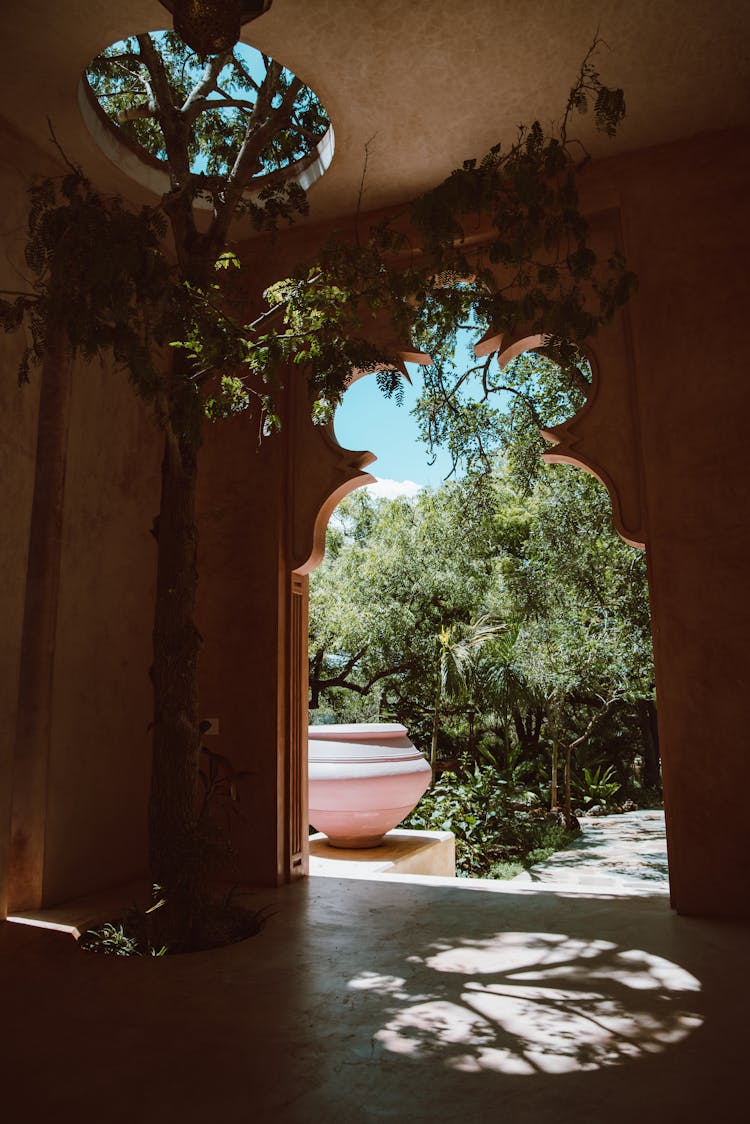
(398, 999)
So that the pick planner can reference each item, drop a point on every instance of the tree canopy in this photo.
(211, 118)
(526, 616)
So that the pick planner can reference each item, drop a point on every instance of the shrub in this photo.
(497, 828)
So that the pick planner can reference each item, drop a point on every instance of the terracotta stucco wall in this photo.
(89, 819)
(665, 428)
(688, 236)
(18, 410)
(683, 223)
(242, 524)
(102, 701)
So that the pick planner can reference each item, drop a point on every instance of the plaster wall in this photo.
(100, 747)
(680, 345)
(665, 428)
(688, 237)
(682, 213)
(83, 797)
(18, 412)
(242, 515)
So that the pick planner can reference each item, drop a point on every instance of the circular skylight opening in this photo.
(238, 110)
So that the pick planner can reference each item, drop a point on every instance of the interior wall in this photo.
(683, 211)
(683, 224)
(99, 765)
(688, 238)
(18, 412)
(90, 821)
(683, 217)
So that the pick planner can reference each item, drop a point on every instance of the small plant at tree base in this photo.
(129, 937)
(110, 940)
(141, 932)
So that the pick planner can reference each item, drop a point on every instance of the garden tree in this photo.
(459, 648)
(500, 413)
(504, 692)
(570, 594)
(583, 594)
(564, 659)
(395, 574)
(105, 280)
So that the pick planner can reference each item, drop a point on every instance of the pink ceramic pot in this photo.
(364, 778)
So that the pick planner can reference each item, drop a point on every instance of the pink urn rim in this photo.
(357, 731)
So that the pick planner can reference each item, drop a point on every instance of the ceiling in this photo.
(421, 85)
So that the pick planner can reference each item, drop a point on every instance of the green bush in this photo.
(499, 830)
(597, 785)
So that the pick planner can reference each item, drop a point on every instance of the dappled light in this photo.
(528, 1003)
(626, 851)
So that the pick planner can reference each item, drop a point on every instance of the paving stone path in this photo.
(624, 854)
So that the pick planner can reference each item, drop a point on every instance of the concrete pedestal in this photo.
(402, 852)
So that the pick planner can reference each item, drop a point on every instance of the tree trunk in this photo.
(552, 728)
(568, 808)
(646, 710)
(316, 666)
(506, 736)
(436, 723)
(472, 721)
(177, 859)
(553, 786)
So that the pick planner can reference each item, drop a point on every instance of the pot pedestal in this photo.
(402, 851)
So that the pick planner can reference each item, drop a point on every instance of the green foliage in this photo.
(582, 594)
(494, 824)
(102, 283)
(141, 932)
(393, 577)
(129, 937)
(220, 95)
(535, 274)
(111, 940)
(538, 394)
(596, 785)
(569, 605)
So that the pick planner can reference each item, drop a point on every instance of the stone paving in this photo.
(624, 854)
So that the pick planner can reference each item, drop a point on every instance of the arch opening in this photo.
(544, 747)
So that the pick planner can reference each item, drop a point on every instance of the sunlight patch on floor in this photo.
(525, 1003)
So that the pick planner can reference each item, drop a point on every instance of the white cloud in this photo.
(389, 489)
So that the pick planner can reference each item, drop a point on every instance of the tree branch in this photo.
(360, 688)
(197, 99)
(599, 714)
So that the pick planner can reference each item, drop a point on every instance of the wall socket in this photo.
(213, 727)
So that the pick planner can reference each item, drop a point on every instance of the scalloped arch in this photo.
(593, 437)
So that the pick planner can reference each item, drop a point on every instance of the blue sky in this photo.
(368, 420)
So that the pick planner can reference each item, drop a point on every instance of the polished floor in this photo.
(399, 999)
